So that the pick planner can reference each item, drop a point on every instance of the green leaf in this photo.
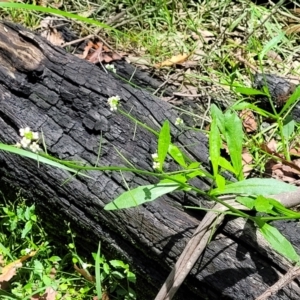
(248, 91)
(164, 141)
(218, 115)
(279, 208)
(140, 195)
(271, 44)
(225, 164)
(278, 242)
(98, 274)
(26, 229)
(255, 186)
(262, 204)
(234, 137)
(288, 127)
(247, 201)
(118, 264)
(47, 280)
(177, 155)
(194, 165)
(220, 181)
(106, 268)
(131, 277)
(117, 274)
(39, 158)
(214, 146)
(244, 105)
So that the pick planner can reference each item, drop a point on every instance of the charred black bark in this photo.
(280, 90)
(47, 89)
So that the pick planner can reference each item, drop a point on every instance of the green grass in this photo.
(21, 233)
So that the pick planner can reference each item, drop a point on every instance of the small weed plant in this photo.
(33, 267)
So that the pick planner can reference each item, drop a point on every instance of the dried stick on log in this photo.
(193, 250)
(200, 239)
(282, 282)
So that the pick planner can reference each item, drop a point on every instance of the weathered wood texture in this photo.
(280, 90)
(49, 90)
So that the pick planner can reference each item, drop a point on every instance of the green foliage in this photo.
(141, 195)
(21, 233)
(255, 186)
(225, 128)
(115, 275)
(56, 12)
(278, 241)
(229, 126)
(164, 140)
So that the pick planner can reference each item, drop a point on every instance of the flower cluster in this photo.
(113, 102)
(111, 67)
(179, 122)
(156, 163)
(29, 139)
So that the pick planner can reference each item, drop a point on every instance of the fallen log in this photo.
(49, 90)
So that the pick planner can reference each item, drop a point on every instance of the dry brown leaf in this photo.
(247, 160)
(282, 172)
(98, 52)
(272, 146)
(51, 33)
(292, 29)
(86, 51)
(274, 56)
(295, 152)
(249, 121)
(176, 59)
(16, 262)
(85, 274)
(49, 294)
(9, 274)
(105, 296)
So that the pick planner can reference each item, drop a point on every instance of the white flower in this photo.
(156, 165)
(111, 68)
(25, 142)
(179, 122)
(35, 135)
(18, 145)
(154, 156)
(34, 147)
(27, 250)
(23, 131)
(113, 102)
(85, 265)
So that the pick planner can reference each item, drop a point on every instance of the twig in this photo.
(77, 41)
(192, 251)
(187, 95)
(282, 282)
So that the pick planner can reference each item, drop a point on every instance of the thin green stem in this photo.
(138, 122)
